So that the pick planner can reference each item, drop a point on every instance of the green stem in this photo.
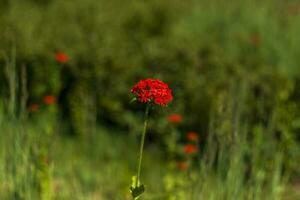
(142, 144)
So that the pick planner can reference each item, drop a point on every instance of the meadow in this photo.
(71, 127)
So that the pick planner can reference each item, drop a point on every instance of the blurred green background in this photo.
(69, 131)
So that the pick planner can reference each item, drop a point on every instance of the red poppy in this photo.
(61, 57)
(182, 165)
(152, 90)
(175, 118)
(49, 99)
(190, 149)
(34, 107)
(192, 136)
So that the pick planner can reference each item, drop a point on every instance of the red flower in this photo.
(152, 90)
(175, 118)
(255, 39)
(49, 99)
(61, 57)
(182, 165)
(34, 107)
(192, 136)
(190, 149)
(293, 9)
(44, 159)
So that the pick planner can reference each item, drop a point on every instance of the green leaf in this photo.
(136, 192)
(134, 181)
(136, 188)
(133, 99)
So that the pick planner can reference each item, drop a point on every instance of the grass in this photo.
(36, 164)
(67, 168)
(237, 161)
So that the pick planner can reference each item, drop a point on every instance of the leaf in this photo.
(134, 181)
(133, 100)
(136, 188)
(137, 191)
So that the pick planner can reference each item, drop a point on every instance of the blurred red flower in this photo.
(49, 99)
(44, 159)
(192, 136)
(190, 149)
(293, 9)
(255, 39)
(61, 57)
(34, 107)
(152, 90)
(182, 165)
(175, 118)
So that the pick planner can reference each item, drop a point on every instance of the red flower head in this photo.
(49, 99)
(34, 107)
(190, 149)
(182, 165)
(152, 90)
(175, 118)
(61, 57)
(192, 136)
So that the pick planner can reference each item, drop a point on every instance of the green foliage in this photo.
(136, 189)
(233, 69)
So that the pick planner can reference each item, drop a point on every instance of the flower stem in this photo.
(142, 144)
